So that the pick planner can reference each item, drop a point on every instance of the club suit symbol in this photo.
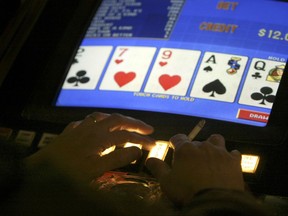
(264, 95)
(79, 78)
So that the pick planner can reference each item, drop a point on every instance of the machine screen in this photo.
(212, 59)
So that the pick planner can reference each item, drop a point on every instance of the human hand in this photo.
(197, 166)
(76, 152)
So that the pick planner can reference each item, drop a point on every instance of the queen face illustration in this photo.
(276, 73)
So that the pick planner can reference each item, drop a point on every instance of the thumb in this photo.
(157, 167)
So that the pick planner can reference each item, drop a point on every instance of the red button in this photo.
(253, 115)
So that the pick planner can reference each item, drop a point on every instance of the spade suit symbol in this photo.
(213, 87)
(208, 69)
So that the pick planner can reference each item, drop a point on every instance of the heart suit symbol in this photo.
(122, 78)
(162, 63)
(118, 61)
(167, 81)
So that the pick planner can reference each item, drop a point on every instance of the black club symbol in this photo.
(80, 77)
(265, 95)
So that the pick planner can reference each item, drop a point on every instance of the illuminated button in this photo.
(253, 115)
(25, 137)
(249, 163)
(159, 150)
(108, 150)
(112, 148)
(128, 144)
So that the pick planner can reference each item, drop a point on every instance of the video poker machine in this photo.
(171, 63)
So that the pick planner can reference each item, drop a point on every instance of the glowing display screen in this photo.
(212, 59)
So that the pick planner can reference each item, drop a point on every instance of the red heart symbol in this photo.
(123, 78)
(162, 63)
(167, 81)
(118, 61)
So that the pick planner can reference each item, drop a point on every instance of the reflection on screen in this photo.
(212, 59)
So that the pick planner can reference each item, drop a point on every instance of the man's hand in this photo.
(198, 166)
(76, 152)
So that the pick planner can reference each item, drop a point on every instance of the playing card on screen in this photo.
(172, 71)
(262, 82)
(87, 67)
(128, 68)
(219, 76)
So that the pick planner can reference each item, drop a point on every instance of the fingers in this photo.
(217, 140)
(88, 121)
(94, 118)
(178, 140)
(120, 122)
(181, 140)
(116, 159)
(236, 154)
(100, 131)
(99, 141)
(71, 126)
(119, 138)
(115, 122)
(157, 167)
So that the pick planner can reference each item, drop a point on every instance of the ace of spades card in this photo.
(261, 83)
(172, 71)
(87, 67)
(128, 68)
(222, 80)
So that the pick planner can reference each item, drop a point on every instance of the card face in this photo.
(219, 76)
(262, 83)
(128, 68)
(87, 67)
(172, 71)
